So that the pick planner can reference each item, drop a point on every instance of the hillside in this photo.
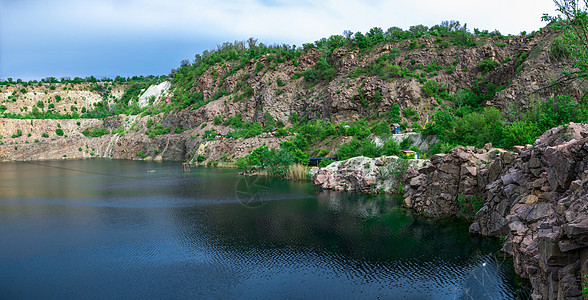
(328, 98)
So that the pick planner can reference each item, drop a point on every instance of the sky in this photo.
(42, 38)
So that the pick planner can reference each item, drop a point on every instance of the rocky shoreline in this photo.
(535, 199)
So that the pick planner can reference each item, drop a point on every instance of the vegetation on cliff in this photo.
(459, 115)
(331, 97)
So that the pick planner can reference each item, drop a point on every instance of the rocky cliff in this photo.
(535, 198)
(523, 68)
(450, 184)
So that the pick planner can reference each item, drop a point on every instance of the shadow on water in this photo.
(104, 228)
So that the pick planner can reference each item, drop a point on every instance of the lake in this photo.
(131, 229)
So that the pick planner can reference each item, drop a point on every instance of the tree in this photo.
(575, 31)
(348, 34)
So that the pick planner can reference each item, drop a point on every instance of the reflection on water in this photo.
(100, 228)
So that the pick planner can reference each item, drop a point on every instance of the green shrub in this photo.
(277, 162)
(323, 71)
(370, 149)
(269, 123)
(157, 130)
(141, 153)
(487, 65)
(255, 158)
(242, 163)
(430, 88)
(558, 50)
(410, 112)
(200, 158)
(464, 38)
(45, 135)
(59, 131)
(235, 122)
(251, 130)
(209, 134)
(95, 132)
(406, 142)
(359, 129)
(349, 150)
(432, 67)
(393, 114)
(259, 66)
(520, 133)
(18, 134)
(390, 147)
(381, 128)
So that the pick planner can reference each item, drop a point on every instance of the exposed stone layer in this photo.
(536, 198)
(436, 189)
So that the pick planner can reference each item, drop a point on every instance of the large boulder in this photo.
(363, 174)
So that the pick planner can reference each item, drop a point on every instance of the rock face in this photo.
(535, 198)
(540, 205)
(362, 174)
(154, 92)
(436, 189)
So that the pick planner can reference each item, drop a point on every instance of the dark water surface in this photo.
(125, 229)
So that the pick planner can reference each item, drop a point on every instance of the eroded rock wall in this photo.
(535, 198)
(540, 206)
(435, 190)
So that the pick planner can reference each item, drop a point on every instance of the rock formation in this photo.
(535, 198)
(540, 205)
(363, 174)
(436, 189)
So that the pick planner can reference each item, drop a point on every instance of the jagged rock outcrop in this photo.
(436, 189)
(535, 198)
(362, 174)
(540, 205)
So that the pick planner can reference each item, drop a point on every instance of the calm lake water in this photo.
(125, 229)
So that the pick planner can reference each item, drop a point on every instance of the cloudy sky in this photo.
(40, 38)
